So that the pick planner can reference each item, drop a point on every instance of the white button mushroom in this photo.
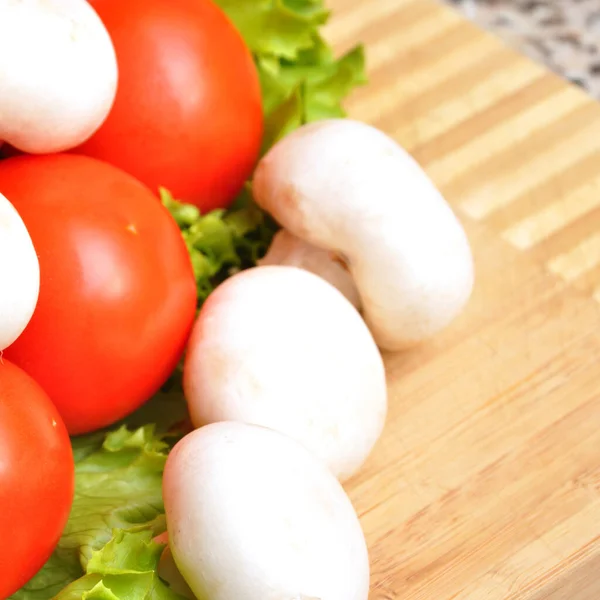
(346, 187)
(252, 515)
(58, 74)
(19, 275)
(287, 249)
(280, 347)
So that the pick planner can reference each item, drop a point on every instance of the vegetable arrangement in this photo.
(202, 261)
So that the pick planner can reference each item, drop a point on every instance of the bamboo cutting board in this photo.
(486, 484)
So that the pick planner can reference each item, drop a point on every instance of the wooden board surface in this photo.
(486, 484)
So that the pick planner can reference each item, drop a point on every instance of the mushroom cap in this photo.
(58, 74)
(252, 514)
(288, 249)
(280, 347)
(19, 275)
(346, 187)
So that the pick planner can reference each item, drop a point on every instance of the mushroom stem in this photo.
(288, 249)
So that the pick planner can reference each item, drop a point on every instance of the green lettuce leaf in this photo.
(221, 242)
(116, 512)
(126, 567)
(301, 79)
(279, 28)
(303, 92)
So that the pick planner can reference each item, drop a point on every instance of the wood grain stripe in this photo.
(587, 282)
(352, 22)
(387, 51)
(555, 216)
(563, 542)
(422, 73)
(501, 136)
(498, 73)
(581, 259)
(537, 197)
(574, 579)
(523, 167)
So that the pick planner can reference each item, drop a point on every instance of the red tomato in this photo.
(117, 291)
(36, 478)
(188, 112)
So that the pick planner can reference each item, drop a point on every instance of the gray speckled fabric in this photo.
(563, 34)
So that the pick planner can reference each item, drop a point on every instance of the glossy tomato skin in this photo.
(117, 292)
(188, 111)
(36, 478)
